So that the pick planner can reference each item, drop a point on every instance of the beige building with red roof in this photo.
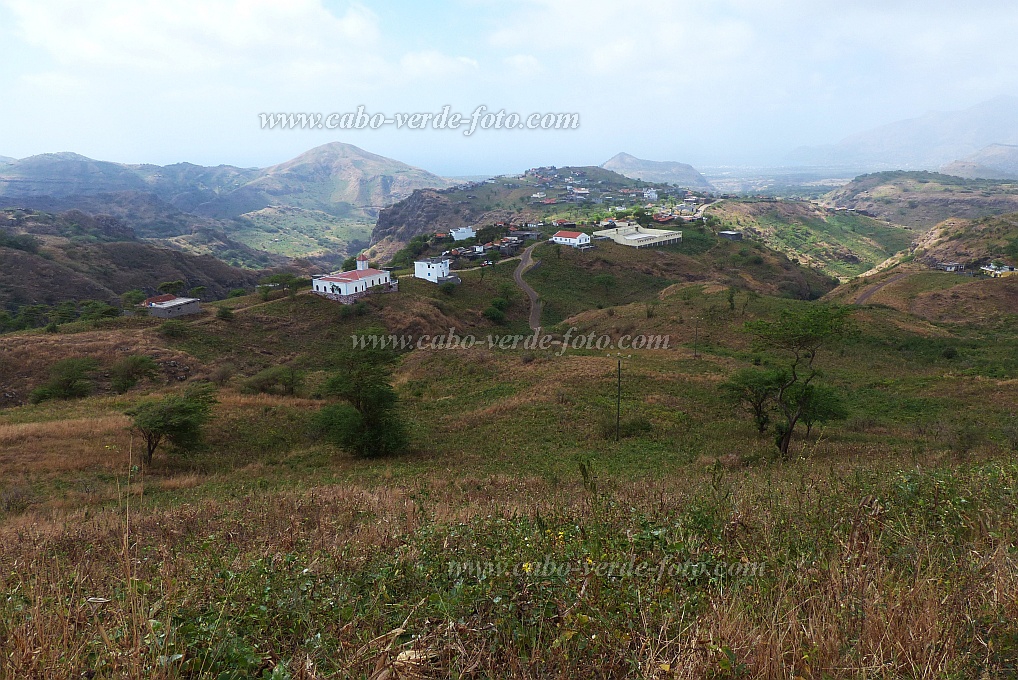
(571, 238)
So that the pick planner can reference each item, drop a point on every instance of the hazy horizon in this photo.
(716, 84)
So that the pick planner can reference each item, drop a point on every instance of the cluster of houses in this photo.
(994, 271)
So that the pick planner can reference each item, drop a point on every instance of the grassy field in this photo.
(518, 538)
(296, 232)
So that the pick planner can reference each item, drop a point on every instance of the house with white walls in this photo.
(347, 287)
(575, 239)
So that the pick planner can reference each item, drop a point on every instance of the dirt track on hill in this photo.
(864, 296)
(526, 262)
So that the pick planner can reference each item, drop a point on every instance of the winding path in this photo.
(868, 293)
(526, 262)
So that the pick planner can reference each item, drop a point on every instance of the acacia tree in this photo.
(822, 404)
(369, 423)
(177, 418)
(756, 391)
(799, 333)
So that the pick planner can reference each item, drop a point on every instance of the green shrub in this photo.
(69, 379)
(237, 292)
(224, 314)
(126, 372)
(275, 380)
(494, 315)
(173, 329)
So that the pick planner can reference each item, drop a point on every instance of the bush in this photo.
(447, 288)
(173, 329)
(126, 373)
(494, 315)
(221, 374)
(224, 314)
(346, 427)
(237, 292)
(177, 418)
(275, 380)
(68, 380)
(501, 304)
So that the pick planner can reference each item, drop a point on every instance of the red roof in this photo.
(567, 234)
(347, 277)
(159, 299)
(362, 258)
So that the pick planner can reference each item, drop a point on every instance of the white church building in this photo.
(347, 287)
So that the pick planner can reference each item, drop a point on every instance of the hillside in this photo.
(666, 172)
(972, 242)
(923, 143)
(996, 161)
(317, 204)
(924, 199)
(538, 195)
(840, 243)
(75, 256)
(516, 509)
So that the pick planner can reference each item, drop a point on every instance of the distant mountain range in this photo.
(334, 178)
(670, 172)
(996, 161)
(924, 143)
(321, 203)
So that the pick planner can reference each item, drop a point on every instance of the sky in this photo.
(708, 82)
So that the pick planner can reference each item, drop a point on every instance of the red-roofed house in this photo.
(571, 238)
(346, 287)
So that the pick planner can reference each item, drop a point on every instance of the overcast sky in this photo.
(706, 82)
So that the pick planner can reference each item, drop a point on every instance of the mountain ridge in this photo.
(669, 172)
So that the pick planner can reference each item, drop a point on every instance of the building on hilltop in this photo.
(462, 233)
(170, 306)
(576, 239)
(348, 287)
(435, 270)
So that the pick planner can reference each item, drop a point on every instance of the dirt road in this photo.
(526, 262)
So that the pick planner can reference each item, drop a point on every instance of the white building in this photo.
(650, 194)
(346, 287)
(433, 269)
(171, 306)
(571, 238)
(463, 233)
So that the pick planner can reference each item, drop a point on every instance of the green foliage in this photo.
(350, 263)
(69, 379)
(225, 314)
(756, 391)
(173, 329)
(283, 281)
(494, 314)
(26, 242)
(126, 372)
(176, 418)
(368, 424)
(410, 252)
(799, 333)
(447, 288)
(197, 292)
(818, 404)
(285, 380)
(171, 287)
(94, 310)
(132, 297)
(237, 292)
(606, 281)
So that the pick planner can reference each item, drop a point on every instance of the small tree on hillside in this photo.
(821, 404)
(171, 287)
(756, 391)
(800, 333)
(126, 373)
(368, 424)
(177, 418)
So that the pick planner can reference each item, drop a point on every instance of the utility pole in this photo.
(618, 403)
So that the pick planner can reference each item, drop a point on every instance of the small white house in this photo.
(346, 286)
(463, 233)
(571, 238)
(171, 306)
(650, 194)
(433, 269)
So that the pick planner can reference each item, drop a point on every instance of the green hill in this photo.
(924, 199)
(841, 243)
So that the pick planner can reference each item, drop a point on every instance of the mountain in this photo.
(47, 258)
(6, 159)
(669, 172)
(923, 199)
(996, 161)
(320, 204)
(923, 143)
